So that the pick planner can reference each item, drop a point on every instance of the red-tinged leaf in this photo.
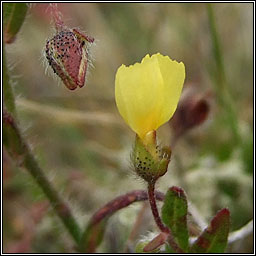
(214, 238)
(13, 16)
(174, 215)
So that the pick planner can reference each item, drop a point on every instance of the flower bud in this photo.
(67, 53)
(149, 160)
(192, 111)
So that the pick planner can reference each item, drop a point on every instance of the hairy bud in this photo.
(149, 160)
(67, 53)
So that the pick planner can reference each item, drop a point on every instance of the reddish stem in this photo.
(56, 16)
(121, 202)
(152, 201)
(87, 243)
(162, 227)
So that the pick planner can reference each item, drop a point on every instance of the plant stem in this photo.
(20, 151)
(89, 240)
(152, 202)
(7, 88)
(162, 227)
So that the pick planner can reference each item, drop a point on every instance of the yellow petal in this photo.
(173, 75)
(147, 93)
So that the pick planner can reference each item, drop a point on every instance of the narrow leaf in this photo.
(174, 215)
(214, 237)
(13, 16)
(93, 236)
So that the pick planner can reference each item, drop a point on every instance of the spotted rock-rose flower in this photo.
(147, 95)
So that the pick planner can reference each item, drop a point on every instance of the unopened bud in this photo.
(192, 111)
(68, 55)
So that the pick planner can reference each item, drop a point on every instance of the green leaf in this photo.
(214, 238)
(93, 236)
(13, 16)
(174, 215)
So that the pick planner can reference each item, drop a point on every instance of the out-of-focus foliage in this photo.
(13, 17)
(83, 144)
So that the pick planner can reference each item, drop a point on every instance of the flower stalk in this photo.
(152, 202)
(159, 223)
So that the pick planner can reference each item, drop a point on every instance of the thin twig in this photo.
(19, 150)
(87, 243)
(241, 233)
(122, 202)
(67, 115)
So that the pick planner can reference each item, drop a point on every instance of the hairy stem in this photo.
(161, 226)
(152, 201)
(20, 151)
(7, 88)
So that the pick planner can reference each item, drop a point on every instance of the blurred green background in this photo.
(82, 143)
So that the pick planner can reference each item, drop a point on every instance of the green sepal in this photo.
(149, 160)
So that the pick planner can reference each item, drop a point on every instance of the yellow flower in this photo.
(147, 93)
